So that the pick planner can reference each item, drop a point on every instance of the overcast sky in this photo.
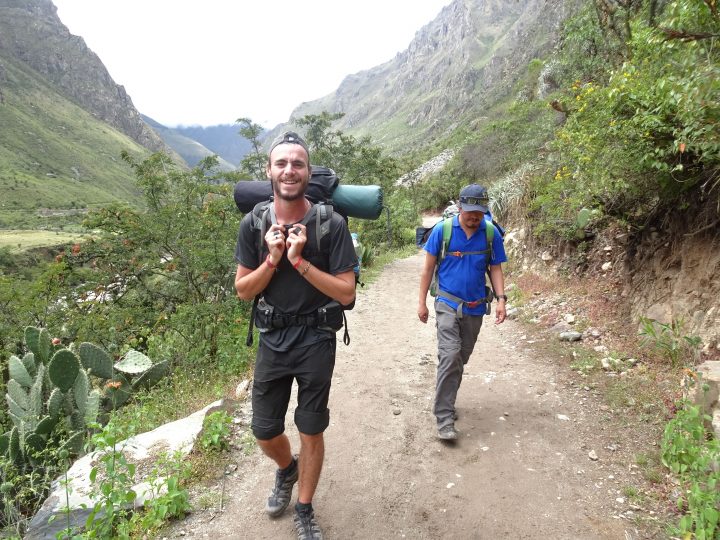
(210, 62)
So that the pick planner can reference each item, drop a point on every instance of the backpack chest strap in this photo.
(463, 253)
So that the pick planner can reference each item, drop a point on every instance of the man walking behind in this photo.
(462, 297)
(295, 280)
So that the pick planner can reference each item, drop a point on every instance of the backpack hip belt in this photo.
(460, 302)
(330, 317)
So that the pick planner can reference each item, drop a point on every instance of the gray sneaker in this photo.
(306, 526)
(447, 433)
(282, 492)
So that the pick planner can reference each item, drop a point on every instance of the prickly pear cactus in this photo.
(134, 363)
(96, 361)
(63, 369)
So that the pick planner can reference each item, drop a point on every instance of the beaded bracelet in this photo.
(305, 270)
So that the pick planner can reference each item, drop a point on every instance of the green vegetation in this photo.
(55, 158)
(641, 134)
(693, 456)
(216, 432)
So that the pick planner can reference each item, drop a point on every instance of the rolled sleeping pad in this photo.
(364, 202)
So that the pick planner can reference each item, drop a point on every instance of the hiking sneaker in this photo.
(306, 526)
(447, 433)
(282, 492)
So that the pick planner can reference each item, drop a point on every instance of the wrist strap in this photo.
(298, 263)
(269, 262)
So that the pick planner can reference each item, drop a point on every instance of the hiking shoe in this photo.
(306, 526)
(282, 492)
(447, 433)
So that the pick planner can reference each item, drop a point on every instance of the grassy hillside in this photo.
(55, 157)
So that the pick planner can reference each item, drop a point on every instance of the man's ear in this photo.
(267, 171)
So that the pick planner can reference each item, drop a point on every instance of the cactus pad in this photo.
(44, 345)
(34, 442)
(80, 391)
(45, 426)
(32, 337)
(93, 407)
(4, 443)
(133, 363)
(96, 360)
(17, 398)
(30, 364)
(74, 444)
(151, 376)
(55, 403)
(19, 372)
(63, 369)
(14, 447)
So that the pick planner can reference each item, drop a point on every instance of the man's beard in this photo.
(277, 184)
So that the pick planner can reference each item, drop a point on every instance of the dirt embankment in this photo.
(538, 457)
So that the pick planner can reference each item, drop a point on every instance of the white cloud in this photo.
(212, 61)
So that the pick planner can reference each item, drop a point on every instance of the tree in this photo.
(253, 163)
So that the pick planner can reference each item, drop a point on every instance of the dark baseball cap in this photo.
(474, 198)
(290, 137)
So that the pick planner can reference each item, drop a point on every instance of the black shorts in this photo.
(312, 367)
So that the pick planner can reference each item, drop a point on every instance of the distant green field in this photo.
(18, 240)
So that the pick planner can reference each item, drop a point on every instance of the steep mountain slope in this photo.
(55, 157)
(456, 67)
(64, 122)
(31, 32)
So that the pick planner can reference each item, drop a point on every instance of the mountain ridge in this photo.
(455, 68)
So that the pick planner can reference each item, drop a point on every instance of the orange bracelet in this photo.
(269, 263)
(299, 261)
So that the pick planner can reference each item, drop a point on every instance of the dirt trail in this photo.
(517, 470)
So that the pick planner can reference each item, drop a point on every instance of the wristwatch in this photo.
(499, 296)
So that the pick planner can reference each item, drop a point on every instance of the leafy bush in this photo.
(641, 133)
(216, 432)
(691, 453)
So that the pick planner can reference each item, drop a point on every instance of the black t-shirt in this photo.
(288, 291)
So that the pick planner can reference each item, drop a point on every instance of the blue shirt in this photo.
(464, 277)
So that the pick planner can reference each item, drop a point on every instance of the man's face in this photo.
(289, 171)
(471, 219)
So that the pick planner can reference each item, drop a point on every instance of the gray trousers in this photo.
(456, 341)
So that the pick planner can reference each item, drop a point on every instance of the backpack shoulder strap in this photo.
(489, 235)
(323, 215)
(263, 213)
(447, 233)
